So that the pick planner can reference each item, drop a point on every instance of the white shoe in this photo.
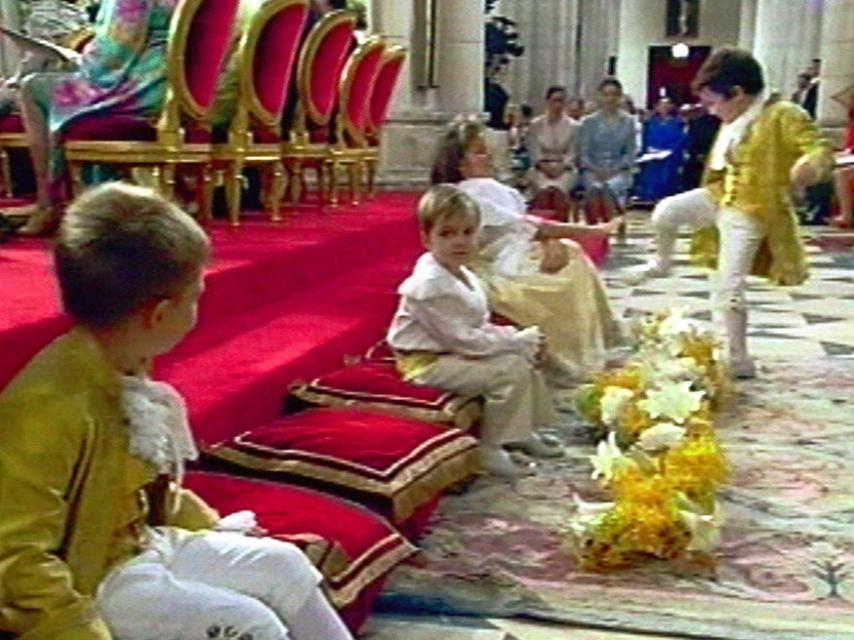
(536, 447)
(652, 269)
(498, 462)
(742, 368)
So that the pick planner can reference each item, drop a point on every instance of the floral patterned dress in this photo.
(122, 71)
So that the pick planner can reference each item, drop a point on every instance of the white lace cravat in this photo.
(156, 420)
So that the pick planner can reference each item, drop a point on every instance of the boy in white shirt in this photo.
(442, 336)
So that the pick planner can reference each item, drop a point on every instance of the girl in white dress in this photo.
(535, 275)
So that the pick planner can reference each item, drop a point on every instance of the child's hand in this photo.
(555, 256)
(612, 226)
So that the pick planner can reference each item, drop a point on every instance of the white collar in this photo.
(731, 133)
(157, 425)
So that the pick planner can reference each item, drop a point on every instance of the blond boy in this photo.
(442, 336)
(97, 539)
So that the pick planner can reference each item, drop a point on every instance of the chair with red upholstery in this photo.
(321, 61)
(388, 74)
(265, 60)
(352, 547)
(12, 136)
(181, 135)
(354, 98)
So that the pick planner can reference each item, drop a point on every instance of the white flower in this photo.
(607, 456)
(661, 436)
(587, 515)
(676, 324)
(705, 528)
(612, 402)
(673, 400)
(660, 366)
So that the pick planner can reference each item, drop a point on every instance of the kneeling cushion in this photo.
(376, 385)
(392, 464)
(352, 547)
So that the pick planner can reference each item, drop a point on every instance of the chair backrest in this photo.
(199, 37)
(268, 51)
(357, 84)
(321, 59)
(388, 75)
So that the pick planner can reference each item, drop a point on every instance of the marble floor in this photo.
(813, 320)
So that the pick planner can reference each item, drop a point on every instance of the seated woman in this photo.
(606, 151)
(843, 177)
(120, 71)
(552, 146)
(534, 275)
(663, 132)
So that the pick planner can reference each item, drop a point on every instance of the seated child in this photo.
(442, 336)
(97, 538)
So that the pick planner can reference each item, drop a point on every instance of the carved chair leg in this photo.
(277, 190)
(352, 176)
(296, 183)
(204, 192)
(371, 168)
(233, 186)
(75, 172)
(167, 180)
(5, 173)
(333, 183)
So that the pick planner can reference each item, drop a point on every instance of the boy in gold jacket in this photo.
(97, 539)
(765, 150)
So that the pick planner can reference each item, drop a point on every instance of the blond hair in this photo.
(443, 201)
(460, 135)
(121, 246)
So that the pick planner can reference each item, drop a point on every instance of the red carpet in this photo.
(282, 302)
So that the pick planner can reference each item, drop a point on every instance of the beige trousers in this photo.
(516, 398)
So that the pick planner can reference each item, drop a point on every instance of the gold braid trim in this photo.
(343, 590)
(461, 412)
(409, 488)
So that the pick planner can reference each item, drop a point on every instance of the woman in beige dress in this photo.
(535, 275)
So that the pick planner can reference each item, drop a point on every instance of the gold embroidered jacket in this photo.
(756, 181)
(72, 503)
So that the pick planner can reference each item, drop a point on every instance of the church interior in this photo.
(645, 204)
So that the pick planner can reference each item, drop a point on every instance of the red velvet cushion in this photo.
(360, 547)
(383, 91)
(275, 54)
(390, 463)
(376, 385)
(126, 128)
(207, 43)
(361, 86)
(12, 123)
(326, 68)
(111, 127)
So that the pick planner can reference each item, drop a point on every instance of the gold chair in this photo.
(354, 97)
(265, 61)
(199, 36)
(319, 70)
(388, 75)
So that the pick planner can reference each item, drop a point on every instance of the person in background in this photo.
(607, 146)
(701, 127)
(552, 147)
(843, 177)
(575, 109)
(663, 132)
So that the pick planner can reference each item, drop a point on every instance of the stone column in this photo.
(787, 37)
(10, 15)
(747, 24)
(419, 114)
(837, 60)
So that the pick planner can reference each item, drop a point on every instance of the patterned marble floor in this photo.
(813, 320)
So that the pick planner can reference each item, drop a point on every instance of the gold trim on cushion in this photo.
(329, 557)
(352, 67)
(392, 54)
(461, 412)
(416, 479)
(340, 595)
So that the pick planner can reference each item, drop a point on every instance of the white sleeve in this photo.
(440, 317)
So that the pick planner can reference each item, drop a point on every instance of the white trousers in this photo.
(740, 238)
(516, 397)
(193, 586)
